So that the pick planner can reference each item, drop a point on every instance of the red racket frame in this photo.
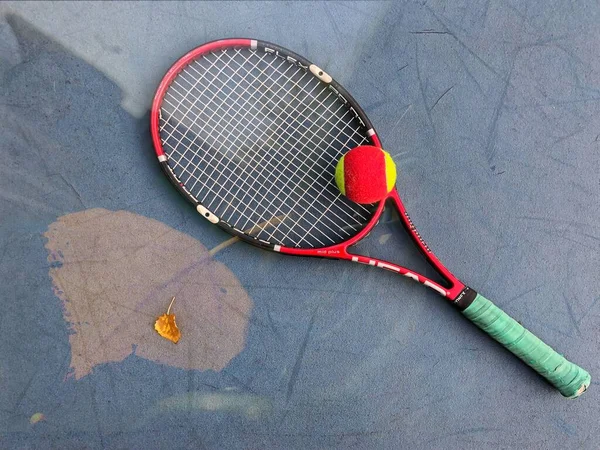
(338, 251)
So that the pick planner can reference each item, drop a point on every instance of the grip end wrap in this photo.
(570, 379)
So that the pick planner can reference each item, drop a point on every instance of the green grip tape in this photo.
(570, 379)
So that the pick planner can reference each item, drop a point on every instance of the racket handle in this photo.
(570, 379)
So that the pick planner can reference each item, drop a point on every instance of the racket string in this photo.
(254, 137)
(283, 110)
(257, 163)
(328, 207)
(256, 191)
(276, 130)
(187, 94)
(192, 104)
(313, 216)
(253, 187)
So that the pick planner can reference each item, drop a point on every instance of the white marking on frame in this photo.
(411, 275)
(320, 74)
(355, 259)
(435, 288)
(207, 214)
(162, 158)
(388, 266)
(371, 263)
(277, 248)
(371, 132)
(253, 44)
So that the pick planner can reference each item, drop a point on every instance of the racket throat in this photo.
(453, 287)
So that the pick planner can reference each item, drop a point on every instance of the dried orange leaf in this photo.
(165, 325)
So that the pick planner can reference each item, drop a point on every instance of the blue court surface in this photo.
(491, 111)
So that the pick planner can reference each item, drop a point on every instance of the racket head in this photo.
(250, 133)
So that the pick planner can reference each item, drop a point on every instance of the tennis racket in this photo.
(250, 133)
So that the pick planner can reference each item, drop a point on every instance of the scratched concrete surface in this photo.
(491, 110)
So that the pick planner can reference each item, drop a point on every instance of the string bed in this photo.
(255, 138)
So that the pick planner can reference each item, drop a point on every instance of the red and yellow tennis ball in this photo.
(366, 174)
